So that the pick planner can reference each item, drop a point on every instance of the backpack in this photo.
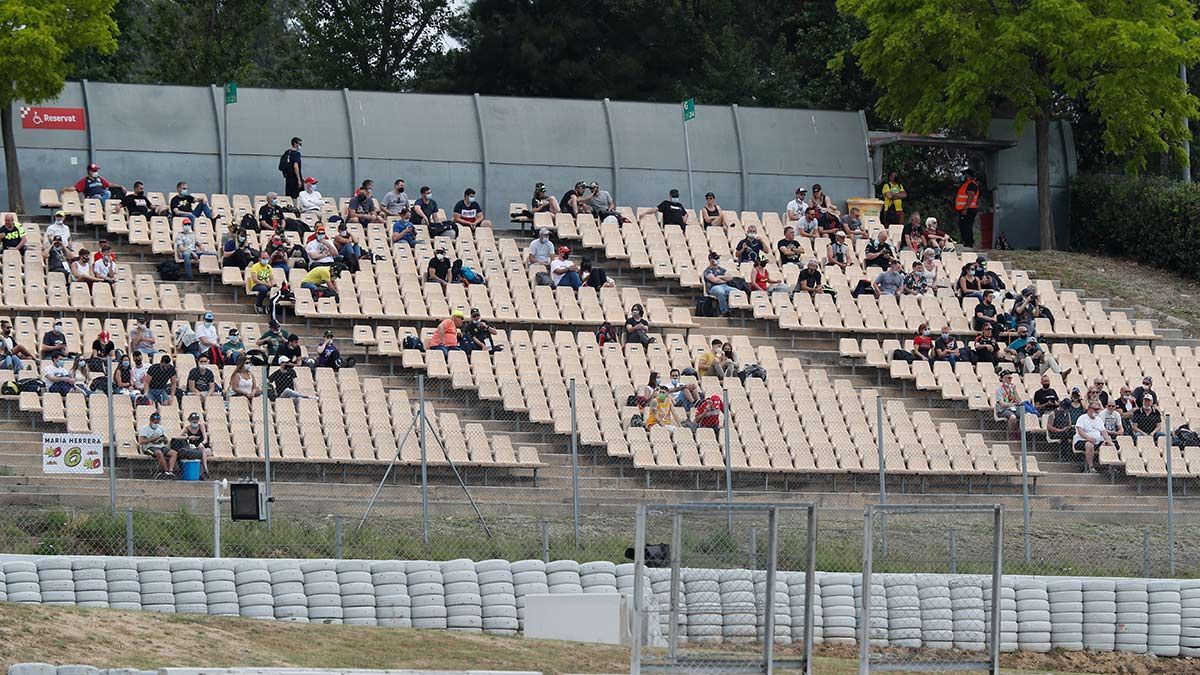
(285, 162)
(707, 306)
(753, 370)
(636, 421)
(31, 384)
(249, 222)
(99, 384)
(1185, 437)
(9, 388)
(170, 270)
(471, 276)
(413, 342)
(739, 284)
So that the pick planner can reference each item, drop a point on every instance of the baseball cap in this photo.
(1148, 398)
(283, 360)
(208, 316)
(233, 332)
(563, 249)
(60, 212)
(194, 416)
(311, 181)
(1147, 380)
(458, 313)
(839, 234)
(93, 167)
(474, 311)
(103, 336)
(328, 333)
(155, 415)
(543, 231)
(802, 189)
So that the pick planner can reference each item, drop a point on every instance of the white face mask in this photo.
(184, 192)
(675, 200)
(58, 221)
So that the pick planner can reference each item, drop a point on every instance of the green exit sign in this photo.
(689, 109)
(230, 92)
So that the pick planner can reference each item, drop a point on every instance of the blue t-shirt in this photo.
(400, 226)
(718, 271)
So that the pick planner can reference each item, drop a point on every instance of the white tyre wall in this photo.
(56, 583)
(878, 620)
(966, 605)
(1164, 635)
(1033, 616)
(1066, 614)
(1132, 616)
(1099, 614)
(837, 595)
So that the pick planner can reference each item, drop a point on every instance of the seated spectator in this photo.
(712, 215)
(237, 251)
(643, 395)
(1028, 308)
(1111, 417)
(187, 249)
(713, 362)
(910, 236)
(403, 231)
(10, 341)
(1096, 392)
(1146, 420)
(469, 213)
(161, 381)
(595, 277)
(985, 348)
(763, 282)
(730, 359)
(186, 341)
(184, 203)
(242, 382)
(1031, 355)
(104, 267)
(322, 281)
(320, 250)
(685, 394)
(137, 374)
(445, 337)
(425, 212)
(274, 215)
(200, 380)
(439, 268)
(348, 248)
(542, 202)
(852, 224)
(985, 313)
(54, 342)
(823, 203)
(564, 272)
(283, 381)
(12, 233)
(888, 282)
(716, 282)
(206, 333)
(152, 441)
(272, 340)
(933, 237)
(57, 377)
(102, 348)
(947, 348)
(1045, 399)
(988, 279)
(328, 354)
(600, 203)
(477, 334)
(1061, 428)
(290, 349)
(195, 443)
(1008, 405)
(122, 376)
(661, 412)
(709, 413)
(362, 208)
(540, 250)
(809, 280)
(1090, 435)
(931, 267)
(789, 249)
(673, 212)
(137, 203)
(95, 186)
(57, 258)
(750, 248)
(81, 376)
(923, 342)
(58, 230)
(81, 269)
(9, 360)
(969, 285)
(572, 201)
(233, 348)
(880, 252)
(838, 252)
(809, 225)
(1126, 405)
(1147, 389)
(796, 208)
(915, 282)
(260, 279)
(396, 200)
(637, 328)
(310, 200)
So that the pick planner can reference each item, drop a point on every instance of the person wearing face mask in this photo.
(57, 258)
(275, 215)
(543, 202)
(187, 249)
(540, 250)
(102, 348)
(563, 271)
(95, 186)
(194, 443)
(320, 249)
(347, 245)
(438, 270)
(750, 248)
(362, 208)
(123, 377)
(673, 212)
(403, 231)
(12, 234)
(184, 203)
(81, 269)
(57, 377)
(260, 278)
(206, 333)
(947, 348)
(54, 342)
(923, 342)
(637, 328)
(310, 200)
(237, 251)
(396, 199)
(468, 212)
(289, 165)
(712, 215)
(137, 203)
(425, 211)
(661, 411)
(104, 267)
(58, 229)
(233, 347)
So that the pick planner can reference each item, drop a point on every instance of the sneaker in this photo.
(170, 475)
(1065, 373)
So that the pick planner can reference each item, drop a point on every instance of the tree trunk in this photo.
(11, 167)
(1045, 213)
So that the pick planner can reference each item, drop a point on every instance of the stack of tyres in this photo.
(598, 577)
(796, 595)
(838, 609)
(393, 608)
(878, 624)
(1166, 611)
(253, 584)
(220, 587)
(529, 578)
(323, 591)
(1189, 617)
(187, 579)
(56, 581)
(1033, 616)
(91, 584)
(625, 578)
(966, 604)
(937, 616)
(124, 589)
(701, 604)
(357, 592)
(498, 596)
(738, 607)
(1133, 616)
(464, 606)
(427, 594)
(563, 577)
(1066, 614)
(1099, 615)
(1008, 614)
(287, 589)
(21, 582)
(903, 610)
(3, 586)
(158, 593)
(777, 602)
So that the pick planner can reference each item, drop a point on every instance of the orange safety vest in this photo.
(967, 200)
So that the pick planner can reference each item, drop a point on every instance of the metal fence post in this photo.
(1170, 502)
(1025, 491)
(753, 548)
(1146, 552)
(769, 618)
(639, 587)
(266, 403)
(574, 466)
(879, 425)
(953, 551)
(676, 562)
(545, 540)
(216, 513)
(421, 425)
(129, 531)
(864, 624)
(728, 459)
(337, 537)
(112, 437)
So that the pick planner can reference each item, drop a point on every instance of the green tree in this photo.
(942, 65)
(36, 39)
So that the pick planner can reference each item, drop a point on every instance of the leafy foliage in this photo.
(36, 38)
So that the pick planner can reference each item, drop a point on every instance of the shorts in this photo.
(1006, 413)
(1079, 446)
(150, 451)
(160, 396)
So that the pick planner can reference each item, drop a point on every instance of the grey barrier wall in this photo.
(752, 158)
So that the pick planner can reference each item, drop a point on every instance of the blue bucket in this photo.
(191, 469)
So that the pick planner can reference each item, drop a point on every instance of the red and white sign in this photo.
(38, 117)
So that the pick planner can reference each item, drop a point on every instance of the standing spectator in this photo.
(716, 282)
(445, 337)
(362, 208)
(260, 278)
(403, 231)
(795, 209)
(439, 268)
(200, 380)
(600, 202)
(713, 362)
(468, 212)
(637, 328)
(673, 212)
(1147, 389)
(1008, 405)
(161, 381)
(947, 348)
(966, 203)
(1045, 400)
(712, 215)
(477, 334)
(542, 202)
(186, 341)
(1089, 435)
(233, 348)
(809, 279)
(572, 201)
(12, 233)
(788, 247)
(322, 281)
(763, 282)
(283, 381)
(750, 248)
(852, 224)
(185, 204)
(54, 342)
(289, 166)
(923, 342)
(837, 252)
(985, 312)
(242, 382)
(152, 441)
(396, 200)
(93, 185)
(894, 195)
(541, 250)
(809, 225)
(57, 377)
(880, 252)
(58, 230)
(915, 282)
(564, 272)
(310, 200)
(425, 212)
(985, 348)
(1147, 421)
(137, 203)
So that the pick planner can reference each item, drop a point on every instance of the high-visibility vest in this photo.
(965, 200)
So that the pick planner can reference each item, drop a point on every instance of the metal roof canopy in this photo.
(877, 139)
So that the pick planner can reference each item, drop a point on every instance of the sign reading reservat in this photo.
(41, 117)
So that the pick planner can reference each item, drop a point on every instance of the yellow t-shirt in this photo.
(707, 359)
(888, 201)
(258, 274)
(318, 275)
(659, 412)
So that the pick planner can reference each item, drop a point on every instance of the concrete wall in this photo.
(1016, 174)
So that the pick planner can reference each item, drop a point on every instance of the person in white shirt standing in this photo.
(310, 201)
(797, 207)
(1089, 435)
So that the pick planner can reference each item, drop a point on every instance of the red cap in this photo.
(311, 181)
(563, 249)
(93, 167)
(103, 336)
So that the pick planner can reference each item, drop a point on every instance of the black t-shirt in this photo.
(159, 375)
(476, 330)
(565, 203)
(202, 377)
(986, 310)
(469, 213)
(946, 343)
(57, 261)
(1146, 422)
(52, 339)
(1142, 392)
(441, 268)
(672, 212)
(183, 202)
(103, 348)
(428, 209)
(292, 352)
(750, 249)
(270, 214)
(292, 157)
(811, 278)
(1045, 397)
(633, 322)
(283, 378)
(986, 344)
(785, 258)
(885, 248)
(136, 205)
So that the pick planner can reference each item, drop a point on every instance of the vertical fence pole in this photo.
(337, 537)
(997, 573)
(639, 587)
(769, 618)
(216, 487)
(421, 424)
(266, 403)
(953, 551)
(545, 540)
(574, 467)
(753, 548)
(112, 437)
(1170, 502)
(676, 563)
(864, 624)
(129, 531)
(728, 460)
(1025, 492)
(879, 425)
(1146, 552)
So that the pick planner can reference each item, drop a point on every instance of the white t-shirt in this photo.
(796, 207)
(80, 268)
(137, 375)
(58, 230)
(102, 268)
(54, 371)
(1088, 429)
(207, 331)
(309, 202)
(559, 267)
(809, 226)
(1112, 421)
(318, 252)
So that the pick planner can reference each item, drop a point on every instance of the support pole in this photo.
(1170, 502)
(687, 154)
(879, 426)
(112, 437)
(266, 403)
(421, 426)
(574, 466)
(1025, 491)
(1186, 173)
(216, 486)
(639, 587)
(676, 572)
(728, 460)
